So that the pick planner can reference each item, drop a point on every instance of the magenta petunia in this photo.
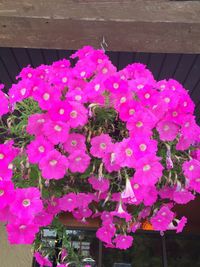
(191, 168)
(181, 224)
(168, 130)
(195, 184)
(7, 194)
(128, 192)
(27, 202)
(38, 149)
(68, 202)
(75, 141)
(22, 231)
(123, 241)
(182, 196)
(54, 165)
(106, 233)
(43, 261)
(148, 170)
(4, 103)
(100, 184)
(56, 131)
(43, 219)
(35, 123)
(162, 219)
(101, 145)
(7, 153)
(78, 161)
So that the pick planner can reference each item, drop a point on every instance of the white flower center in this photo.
(61, 111)
(97, 87)
(123, 99)
(99, 60)
(103, 145)
(187, 124)
(146, 167)
(167, 99)
(166, 128)
(2, 156)
(140, 86)
(41, 120)
(78, 97)
(129, 152)
(185, 104)
(53, 162)
(23, 91)
(26, 202)
(104, 70)
(73, 142)
(22, 227)
(29, 75)
(58, 128)
(174, 114)
(64, 79)
(69, 199)
(142, 147)
(46, 96)
(73, 114)
(136, 186)
(115, 85)
(147, 95)
(139, 124)
(78, 159)
(41, 149)
(191, 168)
(83, 73)
(163, 213)
(1, 193)
(10, 166)
(131, 111)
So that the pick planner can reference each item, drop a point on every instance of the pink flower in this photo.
(22, 231)
(106, 233)
(7, 153)
(4, 103)
(78, 161)
(123, 241)
(162, 219)
(27, 202)
(43, 219)
(125, 155)
(168, 130)
(128, 192)
(182, 196)
(101, 145)
(115, 84)
(38, 149)
(181, 224)
(148, 170)
(43, 261)
(6, 172)
(100, 184)
(75, 141)
(195, 184)
(191, 168)
(54, 165)
(142, 123)
(56, 131)
(6, 193)
(35, 123)
(20, 91)
(121, 213)
(46, 95)
(68, 202)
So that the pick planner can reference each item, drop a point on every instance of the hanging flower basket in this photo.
(114, 148)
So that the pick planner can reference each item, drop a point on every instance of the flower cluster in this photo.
(87, 139)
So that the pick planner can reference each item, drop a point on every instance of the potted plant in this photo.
(114, 148)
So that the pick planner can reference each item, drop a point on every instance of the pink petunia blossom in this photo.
(123, 241)
(68, 202)
(27, 202)
(181, 224)
(7, 153)
(56, 131)
(106, 233)
(38, 149)
(43, 219)
(4, 103)
(101, 184)
(75, 141)
(43, 261)
(35, 123)
(22, 231)
(194, 184)
(54, 165)
(162, 219)
(101, 145)
(167, 130)
(148, 170)
(78, 161)
(182, 196)
(128, 192)
(191, 168)
(6, 193)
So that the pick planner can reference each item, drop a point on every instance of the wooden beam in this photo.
(127, 25)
